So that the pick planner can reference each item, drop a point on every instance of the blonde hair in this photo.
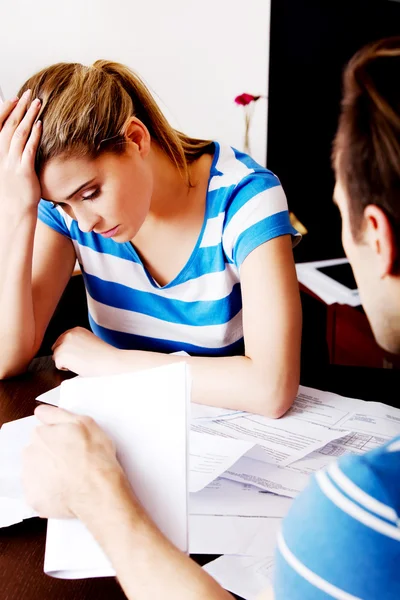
(85, 110)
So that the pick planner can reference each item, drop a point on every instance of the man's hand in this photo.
(82, 352)
(70, 470)
(68, 464)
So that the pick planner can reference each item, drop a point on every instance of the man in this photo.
(341, 539)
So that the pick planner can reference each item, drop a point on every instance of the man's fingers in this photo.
(52, 415)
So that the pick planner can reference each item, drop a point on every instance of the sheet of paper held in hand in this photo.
(133, 409)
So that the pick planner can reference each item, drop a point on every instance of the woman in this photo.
(184, 244)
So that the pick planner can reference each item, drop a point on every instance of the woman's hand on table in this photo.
(82, 352)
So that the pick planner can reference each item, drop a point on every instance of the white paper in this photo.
(245, 536)
(210, 456)
(53, 395)
(328, 289)
(14, 436)
(245, 576)
(145, 414)
(14, 510)
(279, 441)
(371, 424)
(285, 481)
(228, 498)
(202, 411)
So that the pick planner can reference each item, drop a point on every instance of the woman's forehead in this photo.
(63, 175)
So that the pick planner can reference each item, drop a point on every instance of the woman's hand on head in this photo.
(19, 141)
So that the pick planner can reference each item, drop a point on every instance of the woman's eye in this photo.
(91, 196)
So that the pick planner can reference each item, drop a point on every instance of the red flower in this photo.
(245, 99)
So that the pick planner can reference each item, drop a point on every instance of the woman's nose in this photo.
(86, 222)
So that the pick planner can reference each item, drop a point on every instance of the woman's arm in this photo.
(30, 286)
(264, 381)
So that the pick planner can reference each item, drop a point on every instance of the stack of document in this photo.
(244, 469)
(368, 426)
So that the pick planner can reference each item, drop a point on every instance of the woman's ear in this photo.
(379, 235)
(138, 134)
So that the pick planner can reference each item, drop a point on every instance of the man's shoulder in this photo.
(346, 518)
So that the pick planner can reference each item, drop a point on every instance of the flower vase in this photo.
(246, 142)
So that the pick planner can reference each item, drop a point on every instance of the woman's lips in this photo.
(110, 232)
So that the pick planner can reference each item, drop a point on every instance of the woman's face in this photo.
(110, 195)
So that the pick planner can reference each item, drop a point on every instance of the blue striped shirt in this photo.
(200, 311)
(341, 537)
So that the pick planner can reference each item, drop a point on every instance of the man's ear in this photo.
(378, 234)
(137, 133)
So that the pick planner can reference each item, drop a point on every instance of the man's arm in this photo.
(70, 470)
(146, 563)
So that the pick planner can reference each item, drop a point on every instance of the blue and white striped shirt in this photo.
(341, 537)
(200, 311)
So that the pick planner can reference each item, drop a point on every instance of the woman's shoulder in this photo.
(232, 168)
(236, 179)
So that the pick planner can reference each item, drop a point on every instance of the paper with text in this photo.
(280, 442)
(370, 425)
(210, 456)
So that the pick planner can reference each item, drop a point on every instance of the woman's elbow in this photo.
(274, 403)
(12, 368)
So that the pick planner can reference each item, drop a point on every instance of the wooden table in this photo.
(22, 545)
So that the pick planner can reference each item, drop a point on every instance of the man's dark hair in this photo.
(366, 152)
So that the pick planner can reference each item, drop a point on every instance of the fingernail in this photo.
(26, 94)
(36, 102)
(14, 99)
(38, 124)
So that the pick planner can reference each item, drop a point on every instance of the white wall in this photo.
(195, 55)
